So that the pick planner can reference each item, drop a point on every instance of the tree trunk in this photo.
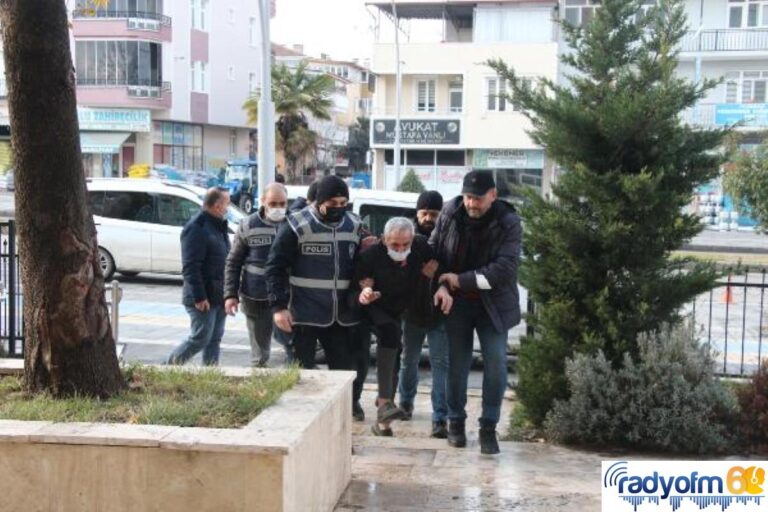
(69, 346)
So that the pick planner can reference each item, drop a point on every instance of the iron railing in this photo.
(110, 14)
(12, 297)
(752, 39)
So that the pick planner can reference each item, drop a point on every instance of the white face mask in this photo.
(275, 214)
(398, 256)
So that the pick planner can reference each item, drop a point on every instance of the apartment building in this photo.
(351, 99)
(162, 82)
(452, 117)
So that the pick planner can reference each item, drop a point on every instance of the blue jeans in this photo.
(465, 318)
(413, 337)
(206, 330)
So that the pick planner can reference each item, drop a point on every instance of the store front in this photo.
(513, 169)
(108, 139)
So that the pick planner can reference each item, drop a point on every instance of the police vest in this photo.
(259, 234)
(323, 269)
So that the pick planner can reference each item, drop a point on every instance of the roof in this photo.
(279, 50)
(434, 9)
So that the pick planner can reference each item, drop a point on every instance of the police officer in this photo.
(311, 265)
(244, 272)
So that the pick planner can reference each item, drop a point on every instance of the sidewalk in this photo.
(413, 472)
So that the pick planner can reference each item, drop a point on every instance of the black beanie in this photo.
(329, 187)
(312, 191)
(429, 200)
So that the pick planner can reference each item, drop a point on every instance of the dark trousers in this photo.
(337, 343)
(361, 341)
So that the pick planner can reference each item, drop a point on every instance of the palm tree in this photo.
(297, 95)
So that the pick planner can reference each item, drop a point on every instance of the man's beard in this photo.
(425, 228)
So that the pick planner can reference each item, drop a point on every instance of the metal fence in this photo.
(731, 319)
(11, 297)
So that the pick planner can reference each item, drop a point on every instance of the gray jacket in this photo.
(496, 278)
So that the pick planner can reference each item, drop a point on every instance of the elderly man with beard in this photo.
(424, 320)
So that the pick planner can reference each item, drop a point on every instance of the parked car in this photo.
(139, 222)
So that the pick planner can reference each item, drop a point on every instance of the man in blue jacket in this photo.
(204, 249)
(477, 240)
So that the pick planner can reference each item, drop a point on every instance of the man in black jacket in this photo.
(422, 320)
(386, 277)
(477, 239)
(204, 248)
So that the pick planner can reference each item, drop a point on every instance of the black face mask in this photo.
(334, 213)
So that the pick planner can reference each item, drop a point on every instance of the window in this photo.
(131, 206)
(497, 93)
(175, 211)
(199, 14)
(580, 12)
(177, 144)
(455, 96)
(375, 216)
(746, 87)
(389, 156)
(747, 13)
(253, 32)
(451, 158)
(96, 203)
(252, 82)
(425, 96)
(119, 63)
(198, 79)
(420, 157)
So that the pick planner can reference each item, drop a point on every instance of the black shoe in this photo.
(457, 436)
(381, 432)
(439, 430)
(407, 411)
(358, 414)
(488, 443)
(388, 411)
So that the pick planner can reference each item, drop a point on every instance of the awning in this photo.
(102, 142)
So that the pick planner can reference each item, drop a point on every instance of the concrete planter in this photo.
(295, 456)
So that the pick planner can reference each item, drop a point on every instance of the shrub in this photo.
(411, 183)
(668, 399)
(753, 399)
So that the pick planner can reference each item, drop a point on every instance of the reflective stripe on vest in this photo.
(254, 269)
(320, 284)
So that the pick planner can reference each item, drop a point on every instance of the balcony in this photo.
(726, 40)
(748, 116)
(110, 93)
(150, 26)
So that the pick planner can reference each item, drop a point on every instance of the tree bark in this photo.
(69, 347)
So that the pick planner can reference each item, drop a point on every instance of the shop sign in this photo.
(114, 119)
(508, 159)
(417, 131)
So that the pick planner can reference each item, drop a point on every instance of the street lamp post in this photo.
(398, 87)
(266, 144)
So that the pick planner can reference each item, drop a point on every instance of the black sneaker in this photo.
(407, 411)
(457, 436)
(358, 414)
(439, 430)
(488, 443)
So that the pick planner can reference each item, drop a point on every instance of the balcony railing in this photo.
(102, 14)
(743, 115)
(412, 112)
(726, 40)
(135, 88)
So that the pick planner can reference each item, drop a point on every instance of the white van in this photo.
(139, 222)
(375, 207)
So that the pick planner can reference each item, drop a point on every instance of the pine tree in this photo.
(411, 183)
(598, 257)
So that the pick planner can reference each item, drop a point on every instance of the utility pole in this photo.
(398, 87)
(266, 145)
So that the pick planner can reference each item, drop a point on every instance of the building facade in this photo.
(158, 82)
(453, 118)
(351, 99)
